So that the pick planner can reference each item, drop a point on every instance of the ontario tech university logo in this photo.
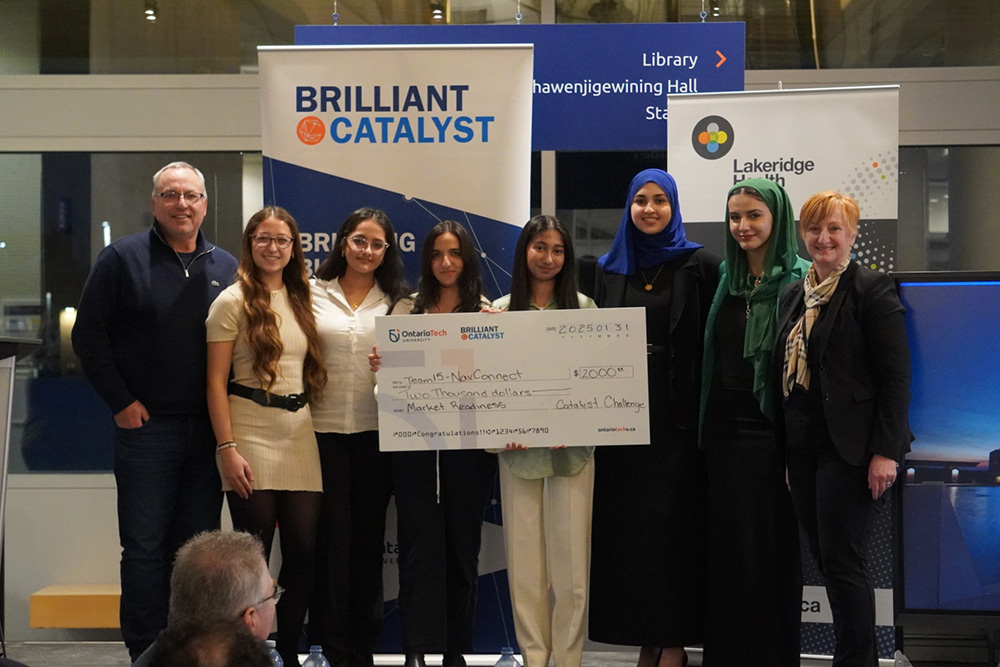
(415, 335)
(712, 137)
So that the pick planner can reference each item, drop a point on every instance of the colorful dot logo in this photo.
(311, 130)
(712, 137)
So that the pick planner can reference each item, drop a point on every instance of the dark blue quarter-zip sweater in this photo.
(140, 326)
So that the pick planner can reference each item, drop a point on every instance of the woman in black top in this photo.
(647, 562)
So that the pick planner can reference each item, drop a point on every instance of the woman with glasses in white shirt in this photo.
(361, 279)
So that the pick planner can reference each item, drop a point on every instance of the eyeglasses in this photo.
(276, 595)
(263, 241)
(360, 243)
(174, 197)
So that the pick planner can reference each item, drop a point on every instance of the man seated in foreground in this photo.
(220, 576)
(220, 643)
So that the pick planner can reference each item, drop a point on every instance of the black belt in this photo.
(292, 402)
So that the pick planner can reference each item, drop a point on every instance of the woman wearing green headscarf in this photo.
(754, 579)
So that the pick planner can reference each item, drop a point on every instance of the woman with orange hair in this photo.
(263, 329)
(844, 362)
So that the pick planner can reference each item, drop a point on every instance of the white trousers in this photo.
(547, 539)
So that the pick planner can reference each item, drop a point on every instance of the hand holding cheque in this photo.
(472, 381)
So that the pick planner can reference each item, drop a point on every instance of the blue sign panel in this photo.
(600, 87)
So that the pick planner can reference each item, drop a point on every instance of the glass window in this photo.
(221, 36)
(793, 34)
(59, 211)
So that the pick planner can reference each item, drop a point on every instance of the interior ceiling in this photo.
(351, 12)
(381, 12)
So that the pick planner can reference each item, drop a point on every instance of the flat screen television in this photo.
(949, 521)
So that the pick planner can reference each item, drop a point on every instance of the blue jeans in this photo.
(168, 491)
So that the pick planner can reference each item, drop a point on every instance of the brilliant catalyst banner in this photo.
(425, 133)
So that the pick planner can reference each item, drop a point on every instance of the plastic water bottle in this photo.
(900, 660)
(507, 658)
(275, 656)
(315, 658)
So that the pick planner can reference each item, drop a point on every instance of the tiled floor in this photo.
(113, 654)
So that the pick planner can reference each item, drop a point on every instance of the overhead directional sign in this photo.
(596, 86)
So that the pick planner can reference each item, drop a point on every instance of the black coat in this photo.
(859, 350)
(697, 278)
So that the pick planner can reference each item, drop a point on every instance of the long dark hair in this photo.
(470, 282)
(520, 282)
(389, 274)
(263, 336)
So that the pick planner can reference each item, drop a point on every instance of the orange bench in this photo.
(75, 606)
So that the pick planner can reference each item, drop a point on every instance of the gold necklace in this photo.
(749, 293)
(649, 283)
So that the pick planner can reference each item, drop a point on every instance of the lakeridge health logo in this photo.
(712, 137)
(393, 335)
(311, 130)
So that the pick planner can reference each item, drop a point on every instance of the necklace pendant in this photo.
(649, 287)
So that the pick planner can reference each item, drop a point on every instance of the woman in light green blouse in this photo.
(547, 493)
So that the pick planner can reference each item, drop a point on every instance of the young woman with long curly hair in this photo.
(264, 365)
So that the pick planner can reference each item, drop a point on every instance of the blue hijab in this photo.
(632, 250)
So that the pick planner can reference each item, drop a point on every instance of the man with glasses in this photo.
(140, 337)
(221, 576)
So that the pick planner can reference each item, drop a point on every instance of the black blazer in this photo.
(694, 286)
(859, 351)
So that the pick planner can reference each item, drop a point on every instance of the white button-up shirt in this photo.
(346, 338)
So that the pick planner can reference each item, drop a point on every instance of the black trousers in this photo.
(440, 504)
(836, 510)
(345, 614)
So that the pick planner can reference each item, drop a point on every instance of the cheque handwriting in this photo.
(478, 375)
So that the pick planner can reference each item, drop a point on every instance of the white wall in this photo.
(60, 529)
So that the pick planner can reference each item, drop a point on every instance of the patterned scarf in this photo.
(796, 369)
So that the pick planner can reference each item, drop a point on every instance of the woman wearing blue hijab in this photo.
(647, 560)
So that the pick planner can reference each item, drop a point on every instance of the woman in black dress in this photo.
(647, 563)
(441, 496)
(755, 584)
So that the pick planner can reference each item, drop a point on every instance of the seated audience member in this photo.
(220, 576)
(7, 662)
(219, 643)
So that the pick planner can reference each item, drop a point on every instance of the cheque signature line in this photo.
(635, 407)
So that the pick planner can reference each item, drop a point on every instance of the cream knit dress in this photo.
(279, 445)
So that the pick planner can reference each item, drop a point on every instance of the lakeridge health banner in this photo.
(844, 139)
(808, 140)
(425, 133)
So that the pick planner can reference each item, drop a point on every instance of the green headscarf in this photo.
(782, 266)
